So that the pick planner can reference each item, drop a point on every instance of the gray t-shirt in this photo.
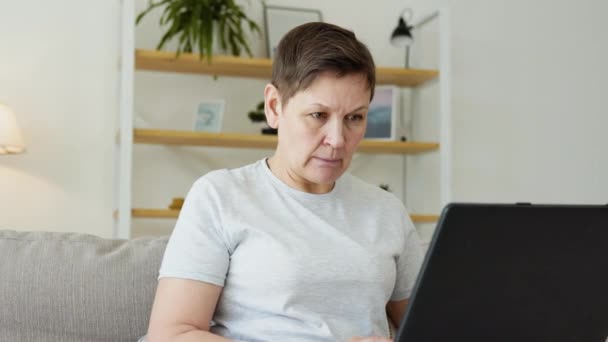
(294, 266)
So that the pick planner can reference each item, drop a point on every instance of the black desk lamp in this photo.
(402, 35)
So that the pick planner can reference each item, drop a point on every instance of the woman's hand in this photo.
(370, 339)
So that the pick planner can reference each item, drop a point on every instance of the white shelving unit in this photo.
(132, 60)
(124, 138)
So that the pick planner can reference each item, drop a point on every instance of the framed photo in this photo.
(208, 116)
(279, 20)
(383, 114)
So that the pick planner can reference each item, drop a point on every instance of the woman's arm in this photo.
(396, 310)
(183, 310)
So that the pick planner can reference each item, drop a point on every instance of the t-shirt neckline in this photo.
(263, 164)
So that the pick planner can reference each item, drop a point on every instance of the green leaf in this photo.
(207, 34)
(253, 27)
(151, 5)
(167, 36)
(222, 33)
(234, 45)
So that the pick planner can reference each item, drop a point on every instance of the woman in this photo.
(292, 248)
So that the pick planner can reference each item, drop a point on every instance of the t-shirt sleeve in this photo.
(197, 248)
(408, 262)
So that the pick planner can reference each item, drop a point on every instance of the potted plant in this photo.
(196, 23)
(258, 115)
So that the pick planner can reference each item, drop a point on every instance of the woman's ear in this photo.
(272, 105)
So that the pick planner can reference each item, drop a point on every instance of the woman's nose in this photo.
(334, 136)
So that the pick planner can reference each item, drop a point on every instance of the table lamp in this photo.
(11, 141)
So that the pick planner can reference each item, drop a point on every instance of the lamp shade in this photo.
(10, 135)
(402, 34)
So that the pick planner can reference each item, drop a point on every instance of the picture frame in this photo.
(208, 115)
(383, 114)
(279, 20)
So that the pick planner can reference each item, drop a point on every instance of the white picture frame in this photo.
(279, 20)
(208, 115)
(383, 114)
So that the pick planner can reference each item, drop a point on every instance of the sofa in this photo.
(76, 287)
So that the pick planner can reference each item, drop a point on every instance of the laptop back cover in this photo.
(513, 273)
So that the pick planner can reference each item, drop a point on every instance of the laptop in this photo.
(522, 272)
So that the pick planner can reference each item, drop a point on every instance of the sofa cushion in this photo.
(76, 287)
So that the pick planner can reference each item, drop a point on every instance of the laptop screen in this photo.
(513, 273)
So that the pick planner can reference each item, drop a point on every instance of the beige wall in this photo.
(58, 73)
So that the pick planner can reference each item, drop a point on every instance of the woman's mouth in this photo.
(328, 161)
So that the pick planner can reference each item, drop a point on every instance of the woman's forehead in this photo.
(333, 91)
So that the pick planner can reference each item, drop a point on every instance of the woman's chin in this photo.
(325, 176)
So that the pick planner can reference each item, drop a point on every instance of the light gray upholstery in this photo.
(76, 287)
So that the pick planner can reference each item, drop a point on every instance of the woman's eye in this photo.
(354, 117)
(317, 115)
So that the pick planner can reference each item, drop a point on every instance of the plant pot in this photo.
(269, 131)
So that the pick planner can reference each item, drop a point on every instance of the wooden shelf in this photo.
(191, 138)
(154, 213)
(171, 214)
(257, 67)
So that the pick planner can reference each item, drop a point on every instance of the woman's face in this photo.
(319, 130)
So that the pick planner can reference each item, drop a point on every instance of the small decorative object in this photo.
(383, 114)
(198, 23)
(258, 115)
(208, 117)
(279, 20)
(385, 187)
(176, 203)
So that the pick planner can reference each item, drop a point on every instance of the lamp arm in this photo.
(425, 20)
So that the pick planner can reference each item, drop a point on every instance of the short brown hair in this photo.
(314, 48)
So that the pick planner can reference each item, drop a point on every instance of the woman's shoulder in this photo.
(358, 188)
(223, 178)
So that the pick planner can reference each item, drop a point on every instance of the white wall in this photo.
(528, 102)
(528, 114)
(58, 73)
(529, 95)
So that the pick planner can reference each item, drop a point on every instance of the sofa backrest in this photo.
(76, 287)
